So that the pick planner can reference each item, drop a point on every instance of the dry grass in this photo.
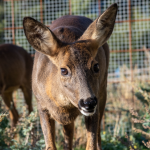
(2, 116)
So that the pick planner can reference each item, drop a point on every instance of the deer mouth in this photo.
(87, 112)
(87, 107)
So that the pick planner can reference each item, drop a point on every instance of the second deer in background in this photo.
(15, 72)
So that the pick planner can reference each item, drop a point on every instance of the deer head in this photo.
(78, 71)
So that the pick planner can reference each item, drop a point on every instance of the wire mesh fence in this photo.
(129, 44)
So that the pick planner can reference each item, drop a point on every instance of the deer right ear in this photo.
(100, 30)
(40, 37)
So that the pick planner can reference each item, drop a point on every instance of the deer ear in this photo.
(40, 37)
(100, 30)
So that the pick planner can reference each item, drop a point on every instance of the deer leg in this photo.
(68, 135)
(99, 139)
(48, 128)
(91, 123)
(99, 136)
(14, 116)
(101, 111)
(28, 97)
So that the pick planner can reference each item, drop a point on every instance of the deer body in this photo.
(15, 72)
(70, 73)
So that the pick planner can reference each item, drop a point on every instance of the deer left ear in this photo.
(100, 30)
(40, 37)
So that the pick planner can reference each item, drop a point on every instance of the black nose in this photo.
(88, 104)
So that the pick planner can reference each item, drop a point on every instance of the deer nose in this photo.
(88, 105)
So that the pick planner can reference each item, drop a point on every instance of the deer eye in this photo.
(96, 68)
(64, 71)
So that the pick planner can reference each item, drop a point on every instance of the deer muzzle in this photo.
(88, 107)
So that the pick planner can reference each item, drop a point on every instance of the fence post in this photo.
(12, 20)
(41, 11)
(130, 46)
(99, 7)
(70, 12)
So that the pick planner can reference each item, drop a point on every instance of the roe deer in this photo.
(15, 72)
(70, 73)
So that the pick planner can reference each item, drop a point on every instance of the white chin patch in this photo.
(87, 113)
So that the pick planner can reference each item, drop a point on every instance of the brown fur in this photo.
(77, 44)
(15, 72)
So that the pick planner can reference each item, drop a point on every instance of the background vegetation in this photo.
(28, 135)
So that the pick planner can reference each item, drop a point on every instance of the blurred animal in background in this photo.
(70, 73)
(15, 72)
